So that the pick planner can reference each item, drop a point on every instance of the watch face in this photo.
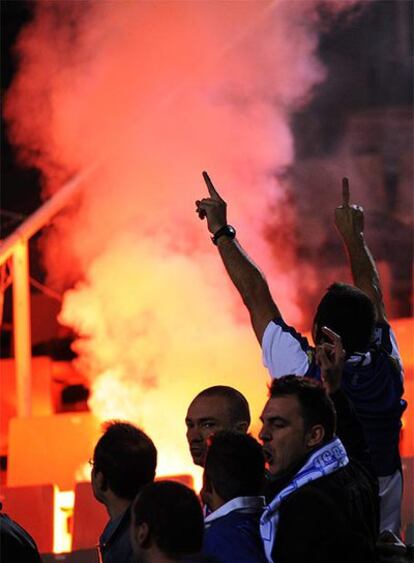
(230, 232)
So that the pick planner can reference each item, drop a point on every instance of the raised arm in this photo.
(349, 220)
(246, 276)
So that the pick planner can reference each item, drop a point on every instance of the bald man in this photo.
(213, 409)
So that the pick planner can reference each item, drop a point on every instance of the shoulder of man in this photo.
(378, 370)
(235, 536)
(115, 540)
(286, 351)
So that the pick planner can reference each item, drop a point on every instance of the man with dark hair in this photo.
(373, 378)
(213, 409)
(322, 506)
(167, 524)
(349, 311)
(124, 460)
(233, 485)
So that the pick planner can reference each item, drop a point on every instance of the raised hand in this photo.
(349, 219)
(213, 207)
(330, 357)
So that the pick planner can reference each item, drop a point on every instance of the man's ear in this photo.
(241, 426)
(100, 481)
(315, 436)
(142, 534)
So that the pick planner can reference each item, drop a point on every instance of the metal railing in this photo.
(15, 248)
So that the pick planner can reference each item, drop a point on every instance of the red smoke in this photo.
(153, 93)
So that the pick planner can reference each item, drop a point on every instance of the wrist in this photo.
(215, 228)
(225, 232)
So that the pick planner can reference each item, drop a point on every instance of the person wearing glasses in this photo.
(124, 461)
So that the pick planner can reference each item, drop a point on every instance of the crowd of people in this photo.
(324, 483)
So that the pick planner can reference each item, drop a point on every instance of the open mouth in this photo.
(268, 456)
(197, 452)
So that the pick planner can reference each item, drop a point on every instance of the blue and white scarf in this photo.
(327, 459)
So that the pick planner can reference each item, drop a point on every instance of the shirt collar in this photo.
(239, 504)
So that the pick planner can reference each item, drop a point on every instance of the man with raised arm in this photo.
(373, 378)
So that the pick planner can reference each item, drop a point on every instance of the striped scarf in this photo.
(325, 460)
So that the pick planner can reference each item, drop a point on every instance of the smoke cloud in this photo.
(152, 93)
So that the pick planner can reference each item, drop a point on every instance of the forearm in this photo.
(349, 220)
(364, 272)
(250, 283)
(243, 272)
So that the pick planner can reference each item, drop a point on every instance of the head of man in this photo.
(216, 408)
(167, 521)
(298, 418)
(234, 467)
(124, 460)
(349, 312)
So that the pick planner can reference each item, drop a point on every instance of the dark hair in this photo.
(349, 312)
(234, 465)
(127, 458)
(174, 517)
(315, 404)
(238, 405)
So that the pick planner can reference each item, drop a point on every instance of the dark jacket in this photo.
(115, 541)
(334, 518)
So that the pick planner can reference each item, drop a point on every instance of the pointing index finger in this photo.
(345, 192)
(211, 189)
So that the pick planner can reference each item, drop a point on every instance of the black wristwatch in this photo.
(227, 231)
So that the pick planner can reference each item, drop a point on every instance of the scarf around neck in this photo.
(325, 460)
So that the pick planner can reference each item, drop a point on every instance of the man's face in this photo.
(96, 478)
(205, 417)
(283, 434)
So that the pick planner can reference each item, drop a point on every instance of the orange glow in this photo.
(404, 332)
(21, 322)
(56, 445)
(83, 473)
(62, 538)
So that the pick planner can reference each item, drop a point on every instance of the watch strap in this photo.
(227, 231)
